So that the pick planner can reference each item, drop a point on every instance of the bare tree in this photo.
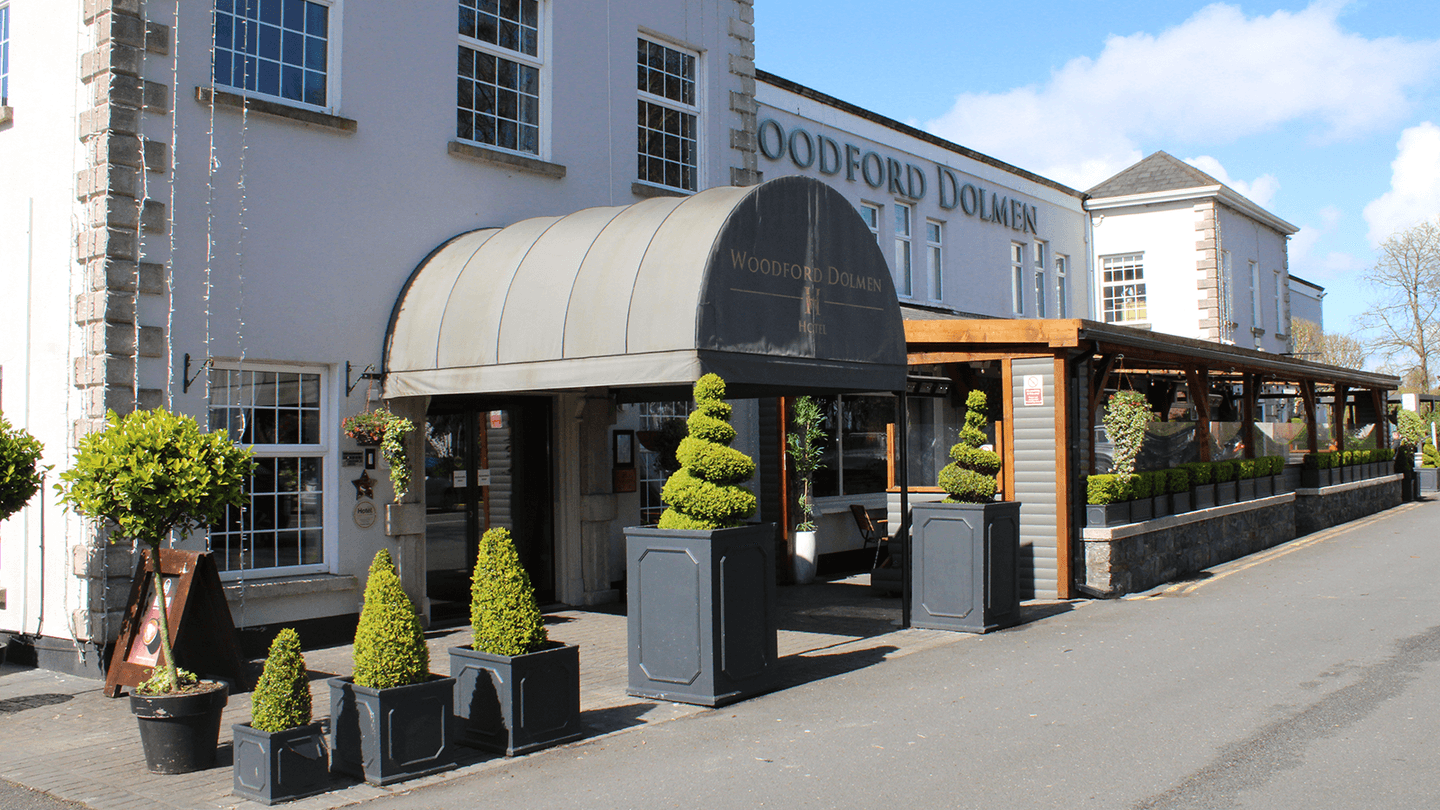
(1309, 342)
(1405, 320)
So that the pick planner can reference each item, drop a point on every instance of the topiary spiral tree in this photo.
(705, 493)
(282, 696)
(389, 643)
(970, 477)
(504, 618)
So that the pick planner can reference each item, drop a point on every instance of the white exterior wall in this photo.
(293, 251)
(1165, 234)
(1247, 241)
(1306, 301)
(976, 252)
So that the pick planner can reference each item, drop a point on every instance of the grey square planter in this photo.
(1264, 486)
(1245, 489)
(1278, 485)
(1204, 495)
(1182, 502)
(966, 573)
(517, 704)
(701, 613)
(1160, 506)
(1226, 492)
(1429, 478)
(1108, 514)
(277, 766)
(388, 735)
(1141, 509)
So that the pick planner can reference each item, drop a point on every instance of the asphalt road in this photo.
(1302, 677)
(15, 797)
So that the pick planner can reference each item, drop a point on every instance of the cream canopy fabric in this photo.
(778, 288)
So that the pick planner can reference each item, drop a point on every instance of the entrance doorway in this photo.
(487, 465)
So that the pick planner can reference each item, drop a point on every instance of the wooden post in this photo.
(1382, 423)
(1307, 397)
(1342, 396)
(1249, 383)
(1007, 443)
(1198, 380)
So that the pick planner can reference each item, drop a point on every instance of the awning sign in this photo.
(1034, 389)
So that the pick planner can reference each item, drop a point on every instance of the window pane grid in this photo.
(1123, 292)
(275, 47)
(1062, 287)
(903, 263)
(667, 145)
(934, 235)
(513, 25)
(498, 101)
(1017, 278)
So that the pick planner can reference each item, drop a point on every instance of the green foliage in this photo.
(1103, 489)
(389, 644)
(504, 617)
(1277, 464)
(1178, 480)
(153, 472)
(1126, 416)
(1225, 471)
(1411, 427)
(1141, 487)
(1430, 455)
(162, 681)
(20, 470)
(1249, 468)
(388, 430)
(970, 476)
(282, 696)
(1201, 472)
(806, 444)
(1310, 461)
(705, 493)
(1325, 461)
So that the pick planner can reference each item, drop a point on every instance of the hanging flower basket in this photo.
(387, 430)
(367, 428)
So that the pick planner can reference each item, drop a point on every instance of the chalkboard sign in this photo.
(201, 631)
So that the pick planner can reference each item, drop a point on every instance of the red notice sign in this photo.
(1034, 389)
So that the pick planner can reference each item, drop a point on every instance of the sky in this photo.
(1325, 113)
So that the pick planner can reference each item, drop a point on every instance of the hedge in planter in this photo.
(280, 754)
(515, 691)
(1106, 501)
(405, 727)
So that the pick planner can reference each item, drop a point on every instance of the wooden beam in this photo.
(1197, 379)
(941, 357)
(1049, 332)
(1007, 430)
(1064, 468)
(1342, 397)
(1307, 398)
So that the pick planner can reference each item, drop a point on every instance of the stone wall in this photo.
(1317, 509)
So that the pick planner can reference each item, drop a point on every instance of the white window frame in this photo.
(4, 53)
(539, 62)
(1282, 323)
(871, 213)
(1257, 317)
(693, 110)
(1041, 252)
(904, 254)
(1062, 285)
(1017, 278)
(329, 473)
(935, 258)
(1138, 294)
(333, 49)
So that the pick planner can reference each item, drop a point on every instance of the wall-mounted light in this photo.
(923, 385)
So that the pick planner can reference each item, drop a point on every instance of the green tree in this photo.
(1405, 317)
(389, 642)
(970, 475)
(1126, 416)
(282, 695)
(504, 617)
(806, 443)
(20, 470)
(705, 493)
(151, 473)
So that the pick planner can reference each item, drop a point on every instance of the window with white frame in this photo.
(1122, 288)
(668, 115)
(498, 83)
(1062, 286)
(1017, 278)
(871, 214)
(1257, 318)
(277, 411)
(854, 454)
(934, 258)
(903, 262)
(278, 48)
(1282, 324)
(1040, 260)
(4, 54)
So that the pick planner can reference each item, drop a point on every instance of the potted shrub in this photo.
(965, 571)
(393, 718)
(280, 753)
(1178, 483)
(1106, 504)
(700, 586)
(1142, 498)
(805, 445)
(387, 430)
(1245, 479)
(1327, 468)
(1277, 475)
(1226, 491)
(20, 470)
(147, 475)
(1310, 470)
(1159, 494)
(515, 690)
(1202, 475)
(1264, 482)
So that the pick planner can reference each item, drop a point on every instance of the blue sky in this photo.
(1327, 113)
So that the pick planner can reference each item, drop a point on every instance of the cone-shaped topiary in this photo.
(504, 618)
(282, 696)
(389, 644)
(970, 478)
(705, 493)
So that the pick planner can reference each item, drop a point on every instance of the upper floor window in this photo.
(903, 260)
(1017, 278)
(1040, 252)
(871, 214)
(934, 236)
(1257, 317)
(1062, 286)
(277, 48)
(4, 54)
(1281, 322)
(498, 83)
(668, 112)
(1123, 288)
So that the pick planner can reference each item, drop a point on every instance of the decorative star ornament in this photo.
(364, 486)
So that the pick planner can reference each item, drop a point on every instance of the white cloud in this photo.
(1260, 191)
(1216, 77)
(1414, 193)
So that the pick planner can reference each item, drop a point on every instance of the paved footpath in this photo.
(60, 735)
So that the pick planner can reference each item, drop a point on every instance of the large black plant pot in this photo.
(277, 766)
(388, 735)
(179, 732)
(517, 704)
(966, 572)
(701, 613)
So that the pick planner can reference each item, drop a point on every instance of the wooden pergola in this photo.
(1077, 360)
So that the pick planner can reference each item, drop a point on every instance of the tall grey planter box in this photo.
(702, 626)
(1429, 480)
(1226, 492)
(388, 735)
(517, 704)
(1204, 496)
(1246, 487)
(966, 573)
(1264, 486)
(277, 766)
(1160, 506)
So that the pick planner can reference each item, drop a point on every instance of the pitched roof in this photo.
(1160, 171)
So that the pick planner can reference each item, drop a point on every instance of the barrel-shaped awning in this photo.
(777, 288)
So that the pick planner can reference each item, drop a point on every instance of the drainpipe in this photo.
(903, 535)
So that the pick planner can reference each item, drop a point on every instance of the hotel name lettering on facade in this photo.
(812, 278)
(832, 158)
